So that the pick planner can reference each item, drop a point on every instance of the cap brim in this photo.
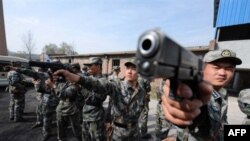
(129, 63)
(236, 60)
(87, 64)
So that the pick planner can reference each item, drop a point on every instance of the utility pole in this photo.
(3, 44)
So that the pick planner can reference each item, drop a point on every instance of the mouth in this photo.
(221, 79)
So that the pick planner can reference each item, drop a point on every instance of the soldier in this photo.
(39, 114)
(93, 110)
(162, 125)
(244, 104)
(128, 100)
(38, 77)
(49, 103)
(79, 97)
(17, 92)
(144, 115)
(210, 110)
(108, 120)
(67, 112)
(115, 73)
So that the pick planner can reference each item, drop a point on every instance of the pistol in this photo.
(158, 56)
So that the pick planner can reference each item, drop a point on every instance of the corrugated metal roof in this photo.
(233, 12)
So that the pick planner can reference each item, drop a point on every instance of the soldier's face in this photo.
(219, 74)
(131, 73)
(94, 69)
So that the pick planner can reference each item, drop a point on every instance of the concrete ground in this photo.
(11, 131)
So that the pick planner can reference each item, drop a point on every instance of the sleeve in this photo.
(30, 73)
(102, 86)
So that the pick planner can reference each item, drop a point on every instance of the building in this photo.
(118, 59)
(3, 44)
(109, 59)
(232, 23)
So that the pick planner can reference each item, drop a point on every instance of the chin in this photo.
(129, 79)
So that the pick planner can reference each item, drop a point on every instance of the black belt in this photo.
(127, 126)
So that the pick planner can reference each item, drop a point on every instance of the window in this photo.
(115, 62)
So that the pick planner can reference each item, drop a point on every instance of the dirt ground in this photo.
(21, 131)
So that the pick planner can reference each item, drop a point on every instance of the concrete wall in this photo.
(242, 49)
(241, 78)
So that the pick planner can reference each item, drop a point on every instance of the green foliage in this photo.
(64, 48)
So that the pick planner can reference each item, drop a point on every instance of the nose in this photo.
(222, 71)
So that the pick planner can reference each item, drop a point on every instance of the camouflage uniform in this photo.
(108, 118)
(93, 112)
(162, 125)
(144, 115)
(244, 104)
(127, 105)
(17, 95)
(80, 99)
(209, 125)
(49, 102)
(41, 76)
(67, 111)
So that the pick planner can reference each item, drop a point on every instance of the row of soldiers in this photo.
(86, 93)
(80, 103)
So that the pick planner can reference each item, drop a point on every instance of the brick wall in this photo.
(3, 46)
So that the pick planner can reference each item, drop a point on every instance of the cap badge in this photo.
(226, 53)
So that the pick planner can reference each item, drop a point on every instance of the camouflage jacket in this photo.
(49, 98)
(67, 93)
(145, 84)
(213, 117)
(93, 99)
(209, 125)
(244, 104)
(127, 102)
(16, 85)
(14, 77)
(42, 76)
(114, 78)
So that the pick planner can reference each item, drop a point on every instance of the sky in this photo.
(99, 26)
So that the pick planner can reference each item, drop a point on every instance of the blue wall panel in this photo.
(233, 12)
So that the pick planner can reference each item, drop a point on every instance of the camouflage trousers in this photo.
(144, 119)
(62, 125)
(16, 106)
(126, 134)
(48, 117)
(39, 112)
(162, 126)
(93, 131)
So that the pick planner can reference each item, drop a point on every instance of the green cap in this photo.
(130, 61)
(244, 101)
(94, 60)
(215, 55)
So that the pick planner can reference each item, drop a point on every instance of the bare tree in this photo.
(29, 42)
